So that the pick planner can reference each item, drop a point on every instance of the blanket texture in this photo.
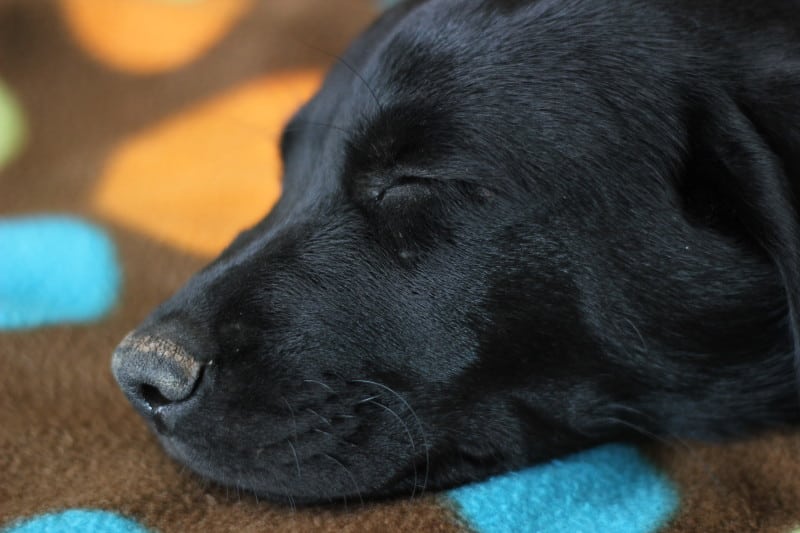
(136, 138)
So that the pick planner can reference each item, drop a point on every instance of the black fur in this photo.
(509, 230)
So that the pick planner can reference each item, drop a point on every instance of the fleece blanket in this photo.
(136, 138)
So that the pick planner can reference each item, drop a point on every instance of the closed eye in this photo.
(406, 186)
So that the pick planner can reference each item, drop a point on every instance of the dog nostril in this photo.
(152, 396)
(155, 399)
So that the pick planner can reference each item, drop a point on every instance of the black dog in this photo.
(509, 230)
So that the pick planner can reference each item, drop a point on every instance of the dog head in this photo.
(507, 231)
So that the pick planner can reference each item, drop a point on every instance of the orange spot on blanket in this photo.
(200, 177)
(148, 36)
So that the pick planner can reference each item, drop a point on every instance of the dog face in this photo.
(501, 239)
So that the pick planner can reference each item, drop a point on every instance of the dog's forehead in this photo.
(440, 87)
(378, 117)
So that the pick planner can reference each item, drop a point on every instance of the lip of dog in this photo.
(509, 230)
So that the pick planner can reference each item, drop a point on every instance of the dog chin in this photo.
(264, 482)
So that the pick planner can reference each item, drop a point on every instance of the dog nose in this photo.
(155, 371)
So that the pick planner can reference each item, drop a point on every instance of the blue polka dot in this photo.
(55, 270)
(610, 489)
(78, 521)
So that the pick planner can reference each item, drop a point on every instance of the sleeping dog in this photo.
(509, 230)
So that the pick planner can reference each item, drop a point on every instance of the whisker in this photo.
(405, 426)
(349, 473)
(647, 433)
(367, 400)
(348, 66)
(671, 441)
(410, 438)
(313, 412)
(296, 125)
(639, 333)
(321, 384)
(291, 412)
(416, 418)
(296, 459)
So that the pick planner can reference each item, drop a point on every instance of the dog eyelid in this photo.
(408, 179)
(404, 182)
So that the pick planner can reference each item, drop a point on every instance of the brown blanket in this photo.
(148, 127)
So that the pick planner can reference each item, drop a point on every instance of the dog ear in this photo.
(754, 178)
